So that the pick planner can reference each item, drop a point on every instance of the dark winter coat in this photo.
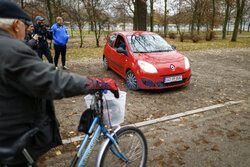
(28, 40)
(27, 88)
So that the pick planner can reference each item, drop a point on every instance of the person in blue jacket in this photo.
(60, 37)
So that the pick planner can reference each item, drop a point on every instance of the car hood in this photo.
(160, 57)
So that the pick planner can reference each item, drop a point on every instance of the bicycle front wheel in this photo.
(132, 144)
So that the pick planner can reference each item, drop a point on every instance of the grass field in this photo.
(76, 53)
(214, 44)
(85, 32)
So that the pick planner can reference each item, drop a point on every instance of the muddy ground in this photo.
(218, 76)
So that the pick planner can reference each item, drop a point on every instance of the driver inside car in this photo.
(122, 44)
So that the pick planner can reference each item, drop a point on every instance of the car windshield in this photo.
(148, 43)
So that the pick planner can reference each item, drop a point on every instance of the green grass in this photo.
(214, 44)
(85, 32)
(204, 32)
(77, 53)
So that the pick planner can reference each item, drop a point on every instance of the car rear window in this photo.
(111, 40)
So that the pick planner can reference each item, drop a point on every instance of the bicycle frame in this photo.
(84, 156)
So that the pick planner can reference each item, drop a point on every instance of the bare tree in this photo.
(141, 15)
(75, 12)
(240, 6)
(151, 15)
(227, 3)
(213, 16)
(98, 16)
(195, 4)
(165, 17)
(50, 12)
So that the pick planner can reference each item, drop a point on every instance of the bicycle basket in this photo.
(113, 109)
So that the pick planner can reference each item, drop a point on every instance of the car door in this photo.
(119, 60)
(108, 47)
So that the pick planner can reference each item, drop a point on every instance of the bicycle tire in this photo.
(110, 160)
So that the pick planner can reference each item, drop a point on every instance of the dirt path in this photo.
(217, 76)
(216, 138)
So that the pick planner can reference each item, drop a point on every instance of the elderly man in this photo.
(28, 86)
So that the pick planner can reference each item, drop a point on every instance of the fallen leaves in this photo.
(71, 113)
(186, 147)
(183, 120)
(157, 143)
(58, 152)
(215, 148)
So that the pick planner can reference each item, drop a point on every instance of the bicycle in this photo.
(123, 146)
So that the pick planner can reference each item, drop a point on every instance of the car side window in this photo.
(120, 42)
(111, 40)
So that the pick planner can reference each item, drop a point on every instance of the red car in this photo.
(146, 60)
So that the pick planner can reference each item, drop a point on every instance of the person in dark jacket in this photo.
(60, 37)
(31, 39)
(28, 86)
(43, 48)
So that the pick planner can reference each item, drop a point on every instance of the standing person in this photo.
(43, 47)
(60, 37)
(27, 88)
(31, 39)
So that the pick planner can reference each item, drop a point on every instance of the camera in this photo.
(44, 32)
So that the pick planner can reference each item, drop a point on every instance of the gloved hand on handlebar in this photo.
(102, 84)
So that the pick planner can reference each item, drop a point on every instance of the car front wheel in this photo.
(131, 80)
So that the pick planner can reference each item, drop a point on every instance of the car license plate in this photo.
(173, 79)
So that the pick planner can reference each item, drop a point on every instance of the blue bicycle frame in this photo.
(84, 156)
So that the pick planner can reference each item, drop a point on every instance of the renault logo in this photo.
(172, 67)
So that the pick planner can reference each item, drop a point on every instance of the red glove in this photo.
(102, 84)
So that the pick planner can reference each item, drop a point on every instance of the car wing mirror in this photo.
(174, 47)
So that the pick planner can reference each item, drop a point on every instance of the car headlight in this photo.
(187, 65)
(147, 67)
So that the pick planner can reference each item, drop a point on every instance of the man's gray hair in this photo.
(6, 23)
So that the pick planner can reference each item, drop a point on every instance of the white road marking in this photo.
(165, 118)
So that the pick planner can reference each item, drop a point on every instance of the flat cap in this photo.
(39, 18)
(10, 10)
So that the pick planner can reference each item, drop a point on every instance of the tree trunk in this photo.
(244, 25)
(165, 18)
(141, 14)
(50, 12)
(241, 20)
(95, 25)
(22, 4)
(226, 20)
(135, 18)
(178, 28)
(71, 29)
(80, 30)
(124, 19)
(238, 17)
(194, 16)
(248, 27)
(198, 25)
(151, 15)
(228, 25)
(213, 17)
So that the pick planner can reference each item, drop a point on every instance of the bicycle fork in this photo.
(105, 144)
(119, 154)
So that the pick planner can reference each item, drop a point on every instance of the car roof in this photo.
(128, 33)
